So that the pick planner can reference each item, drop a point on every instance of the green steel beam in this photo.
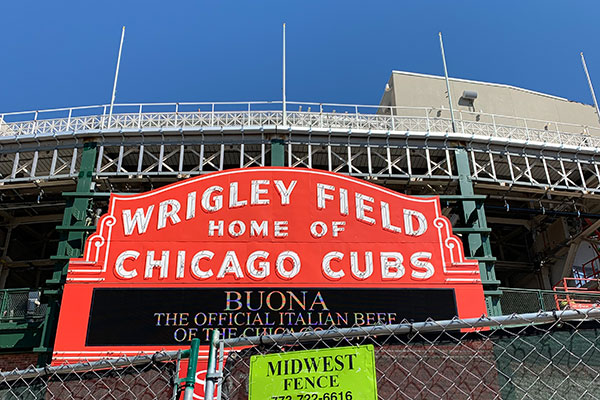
(477, 241)
(74, 228)
(277, 153)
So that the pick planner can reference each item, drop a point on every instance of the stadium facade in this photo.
(516, 173)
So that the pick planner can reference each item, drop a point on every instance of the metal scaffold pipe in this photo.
(114, 91)
(447, 82)
(283, 86)
(587, 74)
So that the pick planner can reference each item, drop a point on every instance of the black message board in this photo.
(170, 316)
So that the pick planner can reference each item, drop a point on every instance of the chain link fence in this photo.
(544, 355)
(141, 377)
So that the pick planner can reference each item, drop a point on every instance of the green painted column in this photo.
(477, 234)
(74, 228)
(277, 153)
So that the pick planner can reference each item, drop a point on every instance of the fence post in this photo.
(190, 379)
(541, 299)
(211, 370)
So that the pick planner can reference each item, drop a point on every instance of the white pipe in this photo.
(591, 87)
(114, 91)
(283, 89)
(447, 83)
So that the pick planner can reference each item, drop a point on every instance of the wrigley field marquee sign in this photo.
(260, 251)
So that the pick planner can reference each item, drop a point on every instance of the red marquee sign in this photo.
(258, 251)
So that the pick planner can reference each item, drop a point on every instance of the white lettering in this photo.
(139, 219)
(168, 209)
(236, 232)
(337, 227)
(280, 264)
(218, 199)
(120, 269)
(391, 265)
(264, 267)
(196, 261)
(218, 228)
(151, 263)
(256, 229)
(233, 196)
(326, 264)
(356, 272)
(322, 196)
(280, 228)
(180, 264)
(230, 265)
(321, 231)
(256, 191)
(191, 205)
(344, 202)
(409, 228)
(361, 207)
(386, 222)
(416, 261)
(285, 192)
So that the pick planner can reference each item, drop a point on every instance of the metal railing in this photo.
(20, 305)
(302, 114)
(589, 269)
(526, 356)
(518, 300)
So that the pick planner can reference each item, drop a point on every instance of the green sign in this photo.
(344, 373)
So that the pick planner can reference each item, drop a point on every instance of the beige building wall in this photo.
(419, 90)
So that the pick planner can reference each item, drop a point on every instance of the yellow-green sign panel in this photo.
(344, 373)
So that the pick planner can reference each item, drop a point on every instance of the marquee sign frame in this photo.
(293, 230)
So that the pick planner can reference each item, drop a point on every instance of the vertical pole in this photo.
(209, 386)
(447, 83)
(541, 299)
(3, 269)
(591, 86)
(277, 142)
(114, 91)
(283, 88)
(190, 378)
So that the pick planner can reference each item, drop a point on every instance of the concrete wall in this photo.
(418, 90)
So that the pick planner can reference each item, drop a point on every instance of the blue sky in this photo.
(63, 53)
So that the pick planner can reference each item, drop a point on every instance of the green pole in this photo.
(209, 385)
(190, 379)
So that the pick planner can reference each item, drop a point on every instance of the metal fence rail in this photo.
(307, 115)
(553, 355)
